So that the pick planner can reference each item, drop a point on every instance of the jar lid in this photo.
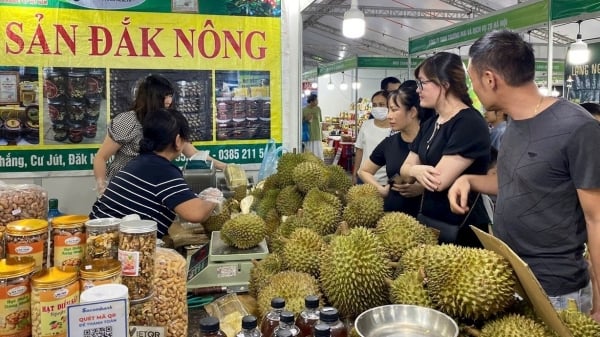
(104, 267)
(138, 226)
(102, 222)
(322, 330)
(311, 301)
(249, 322)
(16, 266)
(76, 74)
(329, 315)
(53, 277)
(27, 226)
(209, 324)
(286, 317)
(278, 303)
(69, 221)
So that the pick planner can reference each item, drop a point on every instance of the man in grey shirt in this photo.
(548, 180)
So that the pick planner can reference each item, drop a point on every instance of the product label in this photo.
(54, 304)
(130, 263)
(87, 284)
(69, 250)
(33, 249)
(15, 314)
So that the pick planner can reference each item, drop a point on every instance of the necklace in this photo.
(538, 106)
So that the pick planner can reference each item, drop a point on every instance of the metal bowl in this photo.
(405, 320)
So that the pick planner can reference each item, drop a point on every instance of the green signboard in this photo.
(336, 67)
(386, 62)
(562, 9)
(517, 17)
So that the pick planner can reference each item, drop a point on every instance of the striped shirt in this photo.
(150, 186)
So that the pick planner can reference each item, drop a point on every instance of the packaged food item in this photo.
(28, 237)
(2, 252)
(15, 294)
(22, 201)
(137, 247)
(170, 292)
(52, 290)
(102, 238)
(141, 312)
(68, 240)
(98, 272)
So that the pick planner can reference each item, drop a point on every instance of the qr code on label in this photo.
(98, 332)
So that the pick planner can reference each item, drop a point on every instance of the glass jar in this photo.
(12, 129)
(91, 128)
(75, 133)
(28, 237)
(102, 238)
(52, 290)
(68, 239)
(224, 109)
(141, 312)
(32, 132)
(54, 84)
(61, 132)
(77, 84)
(32, 112)
(239, 109)
(15, 305)
(254, 109)
(137, 248)
(100, 271)
(93, 107)
(2, 252)
(95, 81)
(265, 114)
(57, 110)
(76, 109)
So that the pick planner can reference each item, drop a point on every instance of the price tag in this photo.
(105, 318)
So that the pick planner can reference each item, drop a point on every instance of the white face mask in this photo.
(379, 113)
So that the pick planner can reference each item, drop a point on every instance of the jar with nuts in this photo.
(77, 84)
(2, 229)
(102, 238)
(100, 271)
(52, 290)
(15, 305)
(141, 312)
(68, 240)
(28, 237)
(137, 247)
(22, 201)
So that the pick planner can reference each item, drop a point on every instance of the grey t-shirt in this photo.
(541, 163)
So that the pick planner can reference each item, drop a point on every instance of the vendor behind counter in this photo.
(151, 186)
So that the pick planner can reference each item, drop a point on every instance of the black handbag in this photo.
(448, 231)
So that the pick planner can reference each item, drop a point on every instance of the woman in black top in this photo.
(453, 143)
(404, 115)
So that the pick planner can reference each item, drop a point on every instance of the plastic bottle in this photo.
(286, 322)
(331, 317)
(249, 327)
(53, 210)
(322, 330)
(283, 333)
(309, 316)
(271, 319)
(210, 327)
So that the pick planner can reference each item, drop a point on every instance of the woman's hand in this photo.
(384, 190)
(427, 176)
(408, 190)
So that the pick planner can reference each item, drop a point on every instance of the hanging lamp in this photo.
(578, 51)
(353, 26)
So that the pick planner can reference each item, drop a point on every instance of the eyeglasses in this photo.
(421, 83)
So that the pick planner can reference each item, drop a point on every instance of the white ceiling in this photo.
(388, 36)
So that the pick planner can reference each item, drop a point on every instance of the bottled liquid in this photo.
(210, 327)
(283, 333)
(331, 317)
(286, 322)
(249, 327)
(271, 319)
(322, 330)
(309, 316)
(53, 210)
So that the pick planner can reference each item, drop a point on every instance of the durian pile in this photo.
(329, 238)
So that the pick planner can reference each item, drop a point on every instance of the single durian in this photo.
(215, 222)
(302, 251)
(408, 289)
(267, 203)
(580, 324)
(285, 168)
(414, 259)
(240, 192)
(353, 272)
(289, 200)
(469, 283)
(364, 211)
(338, 179)
(276, 239)
(321, 211)
(309, 175)
(400, 232)
(290, 285)
(244, 231)
(359, 191)
(262, 270)
(513, 326)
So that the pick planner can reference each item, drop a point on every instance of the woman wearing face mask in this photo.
(405, 116)
(371, 133)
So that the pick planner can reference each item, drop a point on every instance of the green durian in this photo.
(302, 251)
(289, 200)
(338, 179)
(359, 191)
(400, 232)
(580, 324)
(244, 231)
(513, 326)
(364, 211)
(408, 289)
(262, 270)
(290, 285)
(309, 175)
(321, 211)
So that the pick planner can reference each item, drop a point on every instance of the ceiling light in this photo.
(355, 85)
(578, 51)
(353, 26)
(306, 92)
(343, 85)
(314, 85)
(330, 85)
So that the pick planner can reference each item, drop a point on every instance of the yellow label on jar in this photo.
(54, 304)
(69, 250)
(33, 249)
(15, 309)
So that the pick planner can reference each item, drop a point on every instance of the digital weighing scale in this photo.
(222, 265)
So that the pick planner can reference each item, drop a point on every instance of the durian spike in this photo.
(389, 281)
(343, 229)
(394, 265)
